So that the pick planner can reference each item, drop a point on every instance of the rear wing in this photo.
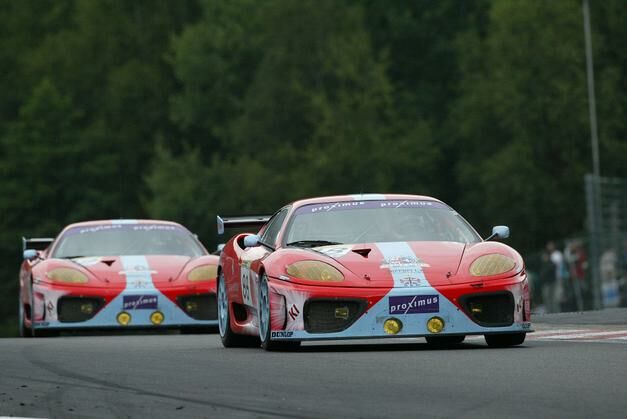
(234, 222)
(37, 243)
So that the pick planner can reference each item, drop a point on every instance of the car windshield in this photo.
(126, 239)
(377, 221)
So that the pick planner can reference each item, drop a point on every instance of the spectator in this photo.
(551, 276)
(577, 262)
(608, 267)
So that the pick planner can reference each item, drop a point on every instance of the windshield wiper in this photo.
(312, 243)
(72, 257)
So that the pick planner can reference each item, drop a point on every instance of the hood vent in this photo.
(362, 252)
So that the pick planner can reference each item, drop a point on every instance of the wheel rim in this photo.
(223, 307)
(264, 308)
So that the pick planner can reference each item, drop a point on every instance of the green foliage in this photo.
(522, 120)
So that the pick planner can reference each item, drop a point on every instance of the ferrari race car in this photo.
(117, 274)
(369, 266)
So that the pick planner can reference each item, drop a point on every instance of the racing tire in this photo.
(265, 322)
(229, 338)
(505, 340)
(444, 341)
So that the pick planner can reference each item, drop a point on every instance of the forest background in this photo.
(184, 109)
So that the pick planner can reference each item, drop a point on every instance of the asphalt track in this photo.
(171, 375)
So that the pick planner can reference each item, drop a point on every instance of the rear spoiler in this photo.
(37, 243)
(234, 222)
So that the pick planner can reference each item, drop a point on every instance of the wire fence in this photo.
(588, 272)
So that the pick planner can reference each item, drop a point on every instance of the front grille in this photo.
(199, 307)
(78, 309)
(327, 316)
(490, 309)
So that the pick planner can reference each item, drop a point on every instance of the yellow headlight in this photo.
(435, 325)
(67, 275)
(493, 264)
(203, 273)
(314, 271)
(124, 318)
(392, 326)
(157, 317)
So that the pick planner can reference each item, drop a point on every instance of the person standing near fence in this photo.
(576, 261)
(556, 276)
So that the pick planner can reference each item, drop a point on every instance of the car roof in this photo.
(362, 197)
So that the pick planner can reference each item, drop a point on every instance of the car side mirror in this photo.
(251, 241)
(30, 254)
(499, 232)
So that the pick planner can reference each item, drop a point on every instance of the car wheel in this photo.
(445, 341)
(265, 321)
(229, 338)
(505, 340)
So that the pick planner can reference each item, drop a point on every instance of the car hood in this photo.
(116, 270)
(403, 264)
(397, 264)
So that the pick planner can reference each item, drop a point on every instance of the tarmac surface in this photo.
(555, 373)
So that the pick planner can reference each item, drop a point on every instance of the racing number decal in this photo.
(246, 292)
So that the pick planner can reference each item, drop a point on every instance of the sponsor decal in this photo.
(138, 283)
(519, 305)
(411, 282)
(42, 323)
(245, 281)
(412, 204)
(411, 304)
(50, 307)
(335, 206)
(150, 227)
(334, 251)
(139, 302)
(282, 334)
(139, 269)
(131, 226)
(402, 261)
(526, 326)
(404, 265)
(294, 312)
(348, 205)
(94, 229)
(87, 261)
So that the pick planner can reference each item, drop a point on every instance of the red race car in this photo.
(117, 274)
(369, 266)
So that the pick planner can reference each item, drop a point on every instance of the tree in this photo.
(521, 120)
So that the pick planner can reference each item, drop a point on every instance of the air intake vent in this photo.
(490, 309)
(328, 316)
(78, 309)
(199, 307)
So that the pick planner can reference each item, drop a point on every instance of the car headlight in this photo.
(493, 264)
(203, 273)
(67, 275)
(314, 270)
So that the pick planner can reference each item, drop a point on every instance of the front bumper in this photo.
(98, 308)
(363, 312)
